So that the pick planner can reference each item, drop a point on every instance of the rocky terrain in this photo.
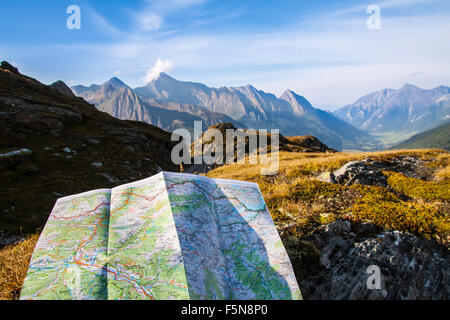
(411, 267)
(53, 144)
(370, 172)
(122, 102)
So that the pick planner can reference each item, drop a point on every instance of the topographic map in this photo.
(170, 236)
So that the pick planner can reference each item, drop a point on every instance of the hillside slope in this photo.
(438, 137)
(53, 144)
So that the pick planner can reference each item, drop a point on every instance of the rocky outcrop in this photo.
(370, 172)
(289, 144)
(62, 88)
(308, 143)
(6, 66)
(410, 267)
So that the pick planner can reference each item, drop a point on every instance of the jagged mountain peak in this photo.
(300, 105)
(408, 85)
(162, 78)
(116, 83)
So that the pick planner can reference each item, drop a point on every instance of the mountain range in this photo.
(169, 104)
(120, 101)
(409, 109)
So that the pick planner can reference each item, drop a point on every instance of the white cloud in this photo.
(155, 71)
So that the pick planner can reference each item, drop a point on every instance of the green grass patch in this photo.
(385, 209)
(419, 189)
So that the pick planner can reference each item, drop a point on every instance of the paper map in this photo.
(170, 236)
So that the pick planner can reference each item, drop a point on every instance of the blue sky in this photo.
(320, 49)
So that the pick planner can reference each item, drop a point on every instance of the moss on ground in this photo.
(419, 189)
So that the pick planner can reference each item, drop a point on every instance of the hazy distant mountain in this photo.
(119, 100)
(435, 138)
(291, 113)
(233, 102)
(304, 119)
(409, 108)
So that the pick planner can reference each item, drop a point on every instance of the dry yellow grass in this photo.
(295, 164)
(298, 202)
(14, 260)
(443, 166)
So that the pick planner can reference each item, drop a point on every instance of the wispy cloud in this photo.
(387, 4)
(151, 16)
(102, 24)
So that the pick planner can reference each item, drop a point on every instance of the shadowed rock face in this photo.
(120, 101)
(411, 267)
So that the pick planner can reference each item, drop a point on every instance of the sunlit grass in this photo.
(14, 260)
(298, 201)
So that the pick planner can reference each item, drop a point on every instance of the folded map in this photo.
(170, 236)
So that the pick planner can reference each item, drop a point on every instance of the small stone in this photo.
(92, 141)
(97, 164)
(110, 178)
